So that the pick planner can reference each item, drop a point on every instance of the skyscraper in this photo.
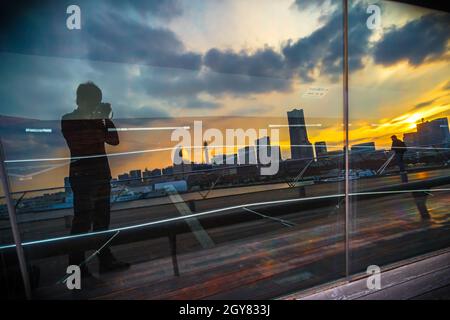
(263, 147)
(301, 148)
(247, 155)
(435, 132)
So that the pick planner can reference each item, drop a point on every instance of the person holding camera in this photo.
(86, 131)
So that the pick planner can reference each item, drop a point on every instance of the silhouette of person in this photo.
(86, 131)
(399, 147)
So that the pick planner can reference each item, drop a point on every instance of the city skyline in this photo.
(320, 147)
(142, 161)
(249, 69)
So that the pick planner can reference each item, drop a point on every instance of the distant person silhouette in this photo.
(399, 147)
(86, 131)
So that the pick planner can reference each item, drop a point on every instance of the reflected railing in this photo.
(279, 213)
(211, 182)
(424, 186)
(170, 228)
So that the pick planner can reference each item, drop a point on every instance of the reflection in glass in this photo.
(399, 136)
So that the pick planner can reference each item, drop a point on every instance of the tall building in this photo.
(301, 148)
(247, 155)
(231, 159)
(429, 133)
(433, 132)
(321, 149)
(263, 145)
(136, 175)
(410, 139)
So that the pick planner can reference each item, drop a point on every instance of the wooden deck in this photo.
(427, 279)
(263, 259)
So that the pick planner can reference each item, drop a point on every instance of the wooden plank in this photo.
(442, 293)
(263, 259)
(413, 287)
(389, 280)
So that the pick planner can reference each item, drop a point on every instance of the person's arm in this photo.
(111, 135)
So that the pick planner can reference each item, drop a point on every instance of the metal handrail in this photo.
(210, 219)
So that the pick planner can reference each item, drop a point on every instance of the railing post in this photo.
(346, 135)
(13, 222)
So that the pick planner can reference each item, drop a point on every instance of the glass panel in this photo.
(218, 173)
(10, 277)
(399, 108)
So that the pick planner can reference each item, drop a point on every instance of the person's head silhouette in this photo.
(394, 137)
(89, 96)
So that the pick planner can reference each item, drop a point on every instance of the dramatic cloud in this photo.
(306, 4)
(320, 52)
(323, 50)
(325, 7)
(417, 41)
(425, 103)
(156, 68)
(37, 87)
(263, 63)
(107, 34)
(177, 84)
(110, 40)
(167, 9)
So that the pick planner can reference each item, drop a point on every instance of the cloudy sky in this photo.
(162, 61)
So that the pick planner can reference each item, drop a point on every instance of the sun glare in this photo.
(413, 119)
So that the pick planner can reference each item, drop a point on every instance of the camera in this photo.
(103, 111)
